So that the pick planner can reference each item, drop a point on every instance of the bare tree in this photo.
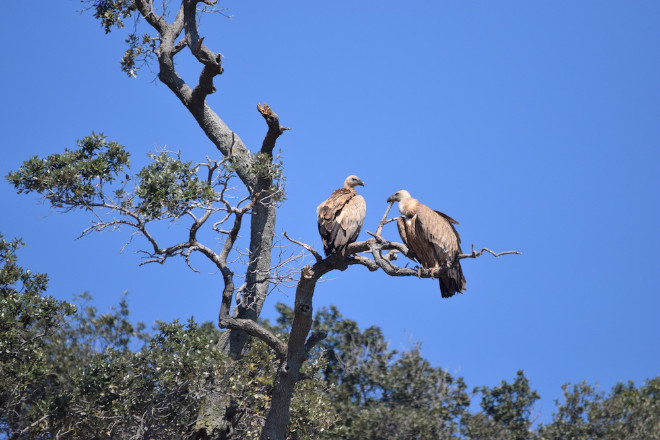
(188, 195)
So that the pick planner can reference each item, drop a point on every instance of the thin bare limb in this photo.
(390, 245)
(224, 319)
(383, 222)
(186, 255)
(101, 225)
(476, 254)
(309, 249)
(284, 274)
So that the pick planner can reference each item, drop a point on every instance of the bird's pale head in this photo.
(398, 196)
(352, 182)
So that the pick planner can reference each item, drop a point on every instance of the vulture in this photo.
(341, 216)
(432, 239)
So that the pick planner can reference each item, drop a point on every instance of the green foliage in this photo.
(94, 176)
(249, 383)
(627, 413)
(112, 12)
(264, 166)
(506, 411)
(76, 177)
(159, 385)
(313, 411)
(27, 320)
(571, 419)
(413, 400)
(140, 50)
(381, 393)
(169, 187)
(14, 280)
(84, 379)
(70, 372)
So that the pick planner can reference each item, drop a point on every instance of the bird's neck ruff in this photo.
(347, 190)
(408, 206)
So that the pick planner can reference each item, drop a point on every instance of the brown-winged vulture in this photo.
(433, 240)
(341, 216)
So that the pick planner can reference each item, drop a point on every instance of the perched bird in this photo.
(433, 240)
(341, 216)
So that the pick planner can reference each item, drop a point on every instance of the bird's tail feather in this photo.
(452, 281)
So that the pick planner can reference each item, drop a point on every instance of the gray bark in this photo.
(288, 372)
(300, 344)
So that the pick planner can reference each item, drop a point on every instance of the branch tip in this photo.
(310, 249)
(476, 254)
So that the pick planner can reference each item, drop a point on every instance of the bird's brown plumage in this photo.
(341, 216)
(432, 239)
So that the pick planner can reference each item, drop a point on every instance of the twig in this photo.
(390, 245)
(310, 249)
(383, 222)
(476, 254)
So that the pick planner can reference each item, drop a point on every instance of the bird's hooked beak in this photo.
(391, 199)
(361, 182)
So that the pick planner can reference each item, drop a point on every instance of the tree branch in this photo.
(227, 142)
(253, 329)
(364, 261)
(224, 319)
(274, 128)
(158, 23)
(310, 249)
(212, 61)
(314, 339)
(383, 222)
(475, 254)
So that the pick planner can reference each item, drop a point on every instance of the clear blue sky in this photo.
(534, 124)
